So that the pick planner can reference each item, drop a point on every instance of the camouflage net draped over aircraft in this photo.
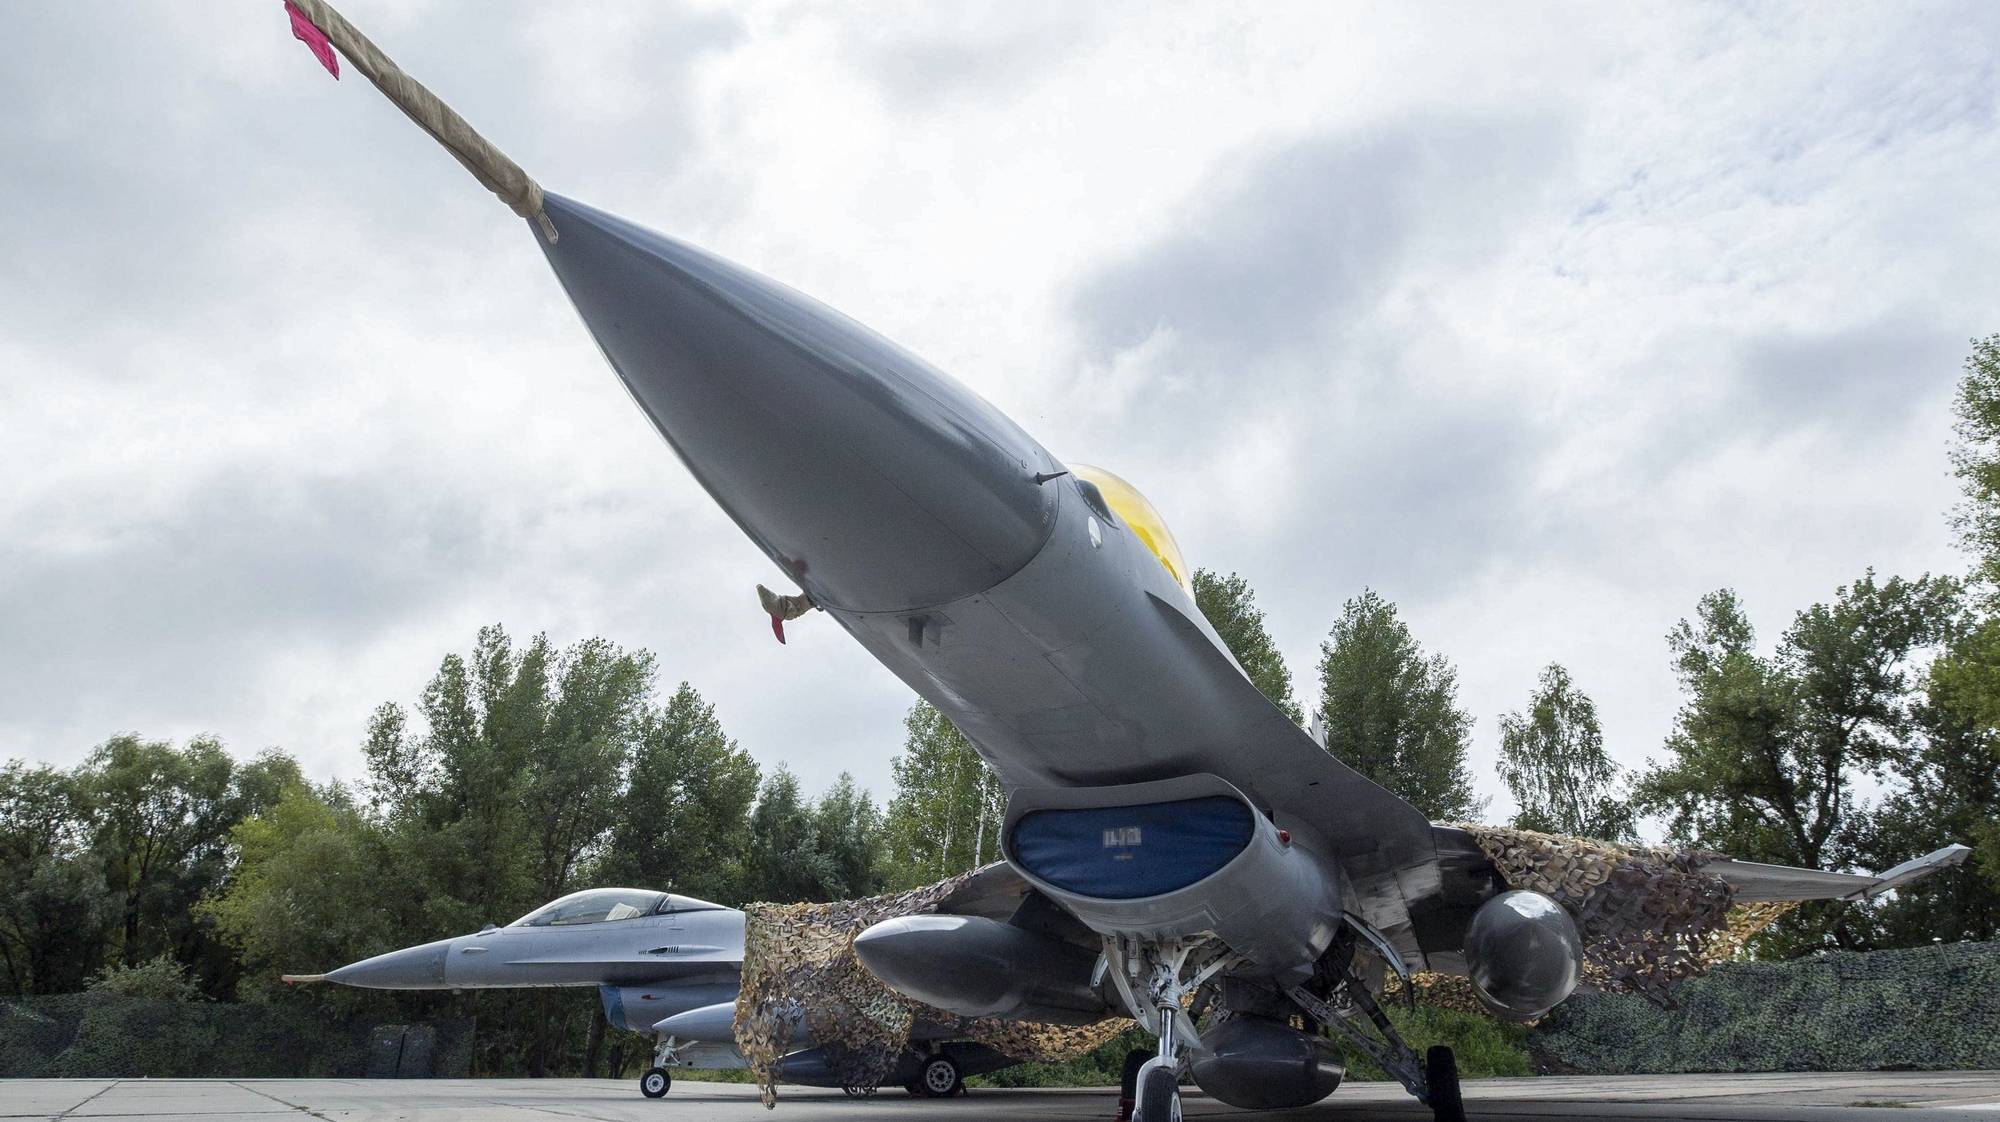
(1649, 917)
(802, 979)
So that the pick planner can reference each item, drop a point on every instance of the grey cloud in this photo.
(158, 614)
(940, 54)
(1866, 378)
(176, 186)
(1270, 289)
(1301, 238)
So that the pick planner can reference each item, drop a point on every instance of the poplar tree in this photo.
(683, 820)
(945, 816)
(1231, 608)
(1391, 713)
(1553, 761)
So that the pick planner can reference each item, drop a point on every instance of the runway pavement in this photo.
(1947, 1097)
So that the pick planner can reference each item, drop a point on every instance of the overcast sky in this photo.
(1541, 320)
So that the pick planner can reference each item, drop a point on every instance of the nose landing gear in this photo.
(1162, 1009)
(658, 1080)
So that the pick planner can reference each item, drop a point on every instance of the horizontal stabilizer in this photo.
(1755, 882)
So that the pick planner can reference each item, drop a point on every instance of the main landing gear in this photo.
(1432, 1077)
(937, 1079)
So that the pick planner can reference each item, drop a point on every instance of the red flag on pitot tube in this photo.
(307, 32)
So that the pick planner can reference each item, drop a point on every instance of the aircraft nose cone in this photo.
(412, 968)
(874, 480)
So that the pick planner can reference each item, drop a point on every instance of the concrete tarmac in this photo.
(1943, 1096)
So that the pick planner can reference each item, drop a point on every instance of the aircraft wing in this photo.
(1756, 882)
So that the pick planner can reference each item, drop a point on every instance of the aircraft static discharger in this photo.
(664, 964)
(1162, 810)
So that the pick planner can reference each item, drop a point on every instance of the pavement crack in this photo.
(86, 1101)
(281, 1102)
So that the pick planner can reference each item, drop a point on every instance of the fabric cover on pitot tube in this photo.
(800, 972)
(1649, 916)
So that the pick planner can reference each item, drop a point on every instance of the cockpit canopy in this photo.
(609, 905)
(1124, 501)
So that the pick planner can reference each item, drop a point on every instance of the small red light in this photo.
(1284, 837)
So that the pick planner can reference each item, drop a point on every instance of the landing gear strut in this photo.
(1160, 1009)
(658, 1080)
(1432, 1077)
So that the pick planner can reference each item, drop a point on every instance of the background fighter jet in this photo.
(1161, 812)
(665, 965)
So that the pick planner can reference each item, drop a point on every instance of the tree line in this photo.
(1867, 733)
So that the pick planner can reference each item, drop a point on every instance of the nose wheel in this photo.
(1148, 979)
(1159, 1098)
(655, 1083)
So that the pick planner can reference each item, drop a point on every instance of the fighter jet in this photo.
(1172, 817)
(1173, 832)
(665, 965)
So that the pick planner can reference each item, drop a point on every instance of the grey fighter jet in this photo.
(1164, 819)
(1170, 833)
(666, 965)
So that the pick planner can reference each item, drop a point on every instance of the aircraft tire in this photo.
(1159, 1096)
(655, 1083)
(939, 1077)
(1441, 1073)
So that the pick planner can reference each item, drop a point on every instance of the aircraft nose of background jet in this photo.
(878, 483)
(412, 968)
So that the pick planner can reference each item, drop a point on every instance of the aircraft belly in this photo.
(1092, 667)
(1057, 673)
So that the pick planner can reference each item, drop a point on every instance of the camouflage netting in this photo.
(1649, 916)
(1932, 1008)
(1439, 991)
(800, 971)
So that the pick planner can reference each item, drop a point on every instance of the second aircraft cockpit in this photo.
(609, 905)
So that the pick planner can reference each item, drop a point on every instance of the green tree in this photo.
(1951, 780)
(1950, 793)
(1976, 459)
(1231, 608)
(1392, 713)
(513, 776)
(160, 822)
(847, 829)
(802, 851)
(1766, 750)
(683, 820)
(1553, 761)
(945, 816)
(576, 759)
(315, 886)
(56, 913)
(509, 787)
(157, 979)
